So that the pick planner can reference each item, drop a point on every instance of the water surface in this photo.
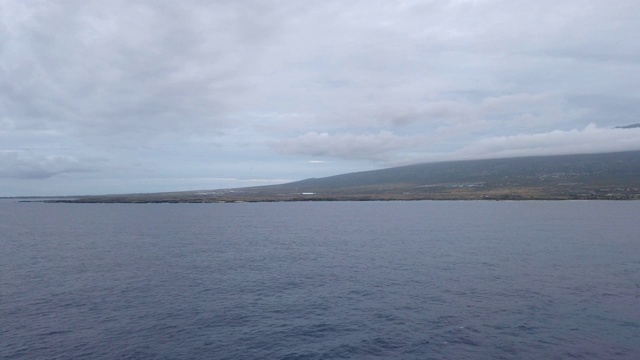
(423, 280)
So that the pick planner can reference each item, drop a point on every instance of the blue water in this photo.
(322, 280)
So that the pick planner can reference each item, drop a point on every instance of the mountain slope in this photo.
(586, 176)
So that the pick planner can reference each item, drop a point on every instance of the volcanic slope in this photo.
(585, 176)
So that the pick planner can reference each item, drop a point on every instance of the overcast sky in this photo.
(144, 96)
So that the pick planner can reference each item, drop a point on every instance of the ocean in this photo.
(321, 280)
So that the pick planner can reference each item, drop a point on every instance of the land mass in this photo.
(611, 176)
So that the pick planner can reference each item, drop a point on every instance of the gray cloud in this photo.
(20, 164)
(206, 89)
(376, 147)
(142, 67)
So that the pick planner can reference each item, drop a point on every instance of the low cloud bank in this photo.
(388, 149)
(591, 139)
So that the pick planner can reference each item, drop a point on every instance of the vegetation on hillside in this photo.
(587, 176)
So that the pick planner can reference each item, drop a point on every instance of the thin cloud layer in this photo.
(26, 165)
(391, 149)
(588, 140)
(376, 147)
(241, 90)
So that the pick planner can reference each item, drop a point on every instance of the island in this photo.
(609, 176)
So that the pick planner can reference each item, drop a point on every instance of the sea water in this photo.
(320, 280)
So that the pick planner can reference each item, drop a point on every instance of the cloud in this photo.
(388, 149)
(202, 89)
(20, 164)
(376, 147)
(123, 68)
(131, 70)
(591, 139)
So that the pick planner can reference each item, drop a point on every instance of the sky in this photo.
(100, 97)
